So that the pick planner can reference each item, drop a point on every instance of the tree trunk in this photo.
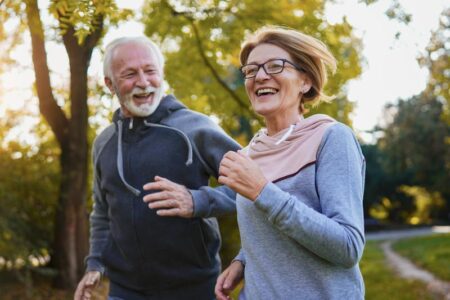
(71, 234)
(70, 244)
(71, 230)
(64, 254)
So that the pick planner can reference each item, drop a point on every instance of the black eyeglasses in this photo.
(272, 66)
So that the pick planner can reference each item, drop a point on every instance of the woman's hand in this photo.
(228, 280)
(242, 174)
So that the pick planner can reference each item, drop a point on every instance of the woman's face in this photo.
(275, 95)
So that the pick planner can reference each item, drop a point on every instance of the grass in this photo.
(381, 281)
(431, 253)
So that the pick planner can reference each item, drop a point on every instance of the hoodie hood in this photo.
(167, 106)
(284, 154)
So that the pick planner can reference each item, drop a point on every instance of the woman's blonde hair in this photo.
(306, 51)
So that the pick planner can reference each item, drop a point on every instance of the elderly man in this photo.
(157, 242)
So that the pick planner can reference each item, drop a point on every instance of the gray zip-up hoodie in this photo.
(138, 249)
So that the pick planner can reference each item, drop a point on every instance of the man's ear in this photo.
(109, 84)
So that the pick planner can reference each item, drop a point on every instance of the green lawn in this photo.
(381, 282)
(431, 253)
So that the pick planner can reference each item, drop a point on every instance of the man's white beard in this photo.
(145, 109)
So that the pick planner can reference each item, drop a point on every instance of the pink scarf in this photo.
(299, 149)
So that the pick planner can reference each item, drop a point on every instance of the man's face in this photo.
(136, 79)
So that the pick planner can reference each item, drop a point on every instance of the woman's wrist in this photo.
(259, 189)
(242, 263)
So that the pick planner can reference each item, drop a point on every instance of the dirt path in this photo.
(405, 268)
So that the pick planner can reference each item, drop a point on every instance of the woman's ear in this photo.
(306, 86)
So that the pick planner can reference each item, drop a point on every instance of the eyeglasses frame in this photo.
(298, 68)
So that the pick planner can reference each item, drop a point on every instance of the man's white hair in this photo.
(143, 40)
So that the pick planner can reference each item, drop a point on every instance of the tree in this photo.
(408, 169)
(382, 198)
(414, 147)
(202, 41)
(28, 192)
(437, 60)
(374, 187)
(416, 139)
(80, 26)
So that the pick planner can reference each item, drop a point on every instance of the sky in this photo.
(390, 68)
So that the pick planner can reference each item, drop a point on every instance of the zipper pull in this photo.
(131, 123)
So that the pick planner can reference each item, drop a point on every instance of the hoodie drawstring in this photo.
(134, 190)
(181, 133)
(286, 135)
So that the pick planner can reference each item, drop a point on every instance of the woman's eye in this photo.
(274, 66)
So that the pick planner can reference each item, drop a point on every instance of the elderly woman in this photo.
(299, 182)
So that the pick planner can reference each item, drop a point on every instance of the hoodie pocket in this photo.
(200, 241)
(175, 252)
(174, 243)
(113, 257)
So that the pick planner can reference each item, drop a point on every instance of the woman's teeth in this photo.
(266, 91)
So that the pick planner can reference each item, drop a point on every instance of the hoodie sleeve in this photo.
(241, 257)
(337, 232)
(99, 220)
(210, 144)
(99, 230)
(213, 202)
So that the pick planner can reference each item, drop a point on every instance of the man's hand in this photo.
(240, 173)
(87, 284)
(172, 200)
(228, 280)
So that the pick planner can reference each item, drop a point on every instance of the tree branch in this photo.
(213, 70)
(216, 75)
(93, 38)
(47, 103)
(242, 104)
(79, 60)
(90, 42)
